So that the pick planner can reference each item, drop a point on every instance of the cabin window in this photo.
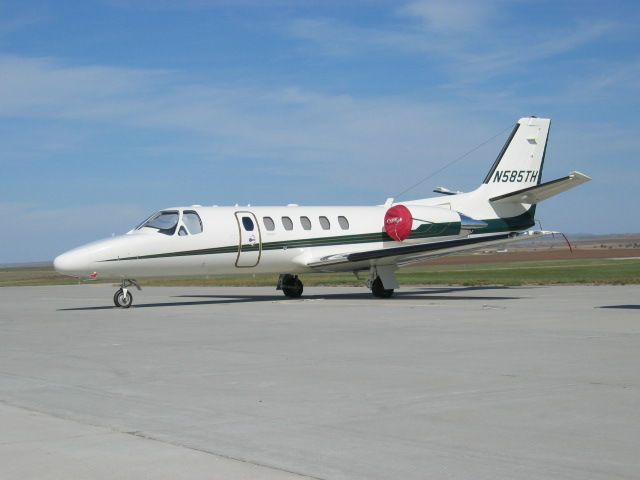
(324, 223)
(305, 222)
(287, 223)
(248, 224)
(165, 222)
(269, 224)
(343, 222)
(192, 221)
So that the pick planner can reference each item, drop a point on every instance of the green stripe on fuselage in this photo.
(521, 222)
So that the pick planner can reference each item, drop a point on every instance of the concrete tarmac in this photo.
(241, 383)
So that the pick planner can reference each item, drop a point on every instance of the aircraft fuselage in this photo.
(248, 240)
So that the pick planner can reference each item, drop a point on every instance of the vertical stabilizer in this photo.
(519, 164)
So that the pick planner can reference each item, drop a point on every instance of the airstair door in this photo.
(250, 240)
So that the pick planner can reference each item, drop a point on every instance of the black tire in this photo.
(122, 301)
(293, 289)
(378, 289)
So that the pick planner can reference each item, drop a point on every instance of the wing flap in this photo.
(538, 193)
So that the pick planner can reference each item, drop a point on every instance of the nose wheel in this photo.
(123, 297)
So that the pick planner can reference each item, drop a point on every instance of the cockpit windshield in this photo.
(165, 222)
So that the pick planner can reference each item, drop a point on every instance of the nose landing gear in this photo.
(123, 297)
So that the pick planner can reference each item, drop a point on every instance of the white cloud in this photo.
(339, 139)
(291, 125)
(191, 5)
(451, 15)
(519, 50)
(456, 37)
(45, 87)
(612, 80)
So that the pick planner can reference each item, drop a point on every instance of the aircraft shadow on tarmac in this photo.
(424, 293)
(622, 307)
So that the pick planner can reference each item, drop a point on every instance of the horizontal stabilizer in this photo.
(446, 191)
(538, 193)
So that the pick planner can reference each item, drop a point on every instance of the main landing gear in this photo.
(290, 285)
(382, 280)
(123, 298)
(378, 290)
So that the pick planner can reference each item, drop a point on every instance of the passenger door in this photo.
(250, 240)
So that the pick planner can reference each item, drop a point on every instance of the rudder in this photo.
(520, 162)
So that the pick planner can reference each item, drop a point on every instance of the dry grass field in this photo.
(521, 255)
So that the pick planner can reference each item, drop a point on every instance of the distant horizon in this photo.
(570, 236)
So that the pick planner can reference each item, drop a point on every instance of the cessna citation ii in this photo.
(294, 240)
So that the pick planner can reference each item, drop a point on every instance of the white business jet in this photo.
(292, 240)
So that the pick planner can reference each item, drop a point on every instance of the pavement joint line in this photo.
(220, 455)
(144, 436)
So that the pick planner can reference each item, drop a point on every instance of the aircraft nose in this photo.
(71, 263)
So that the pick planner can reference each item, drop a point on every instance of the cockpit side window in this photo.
(165, 222)
(192, 221)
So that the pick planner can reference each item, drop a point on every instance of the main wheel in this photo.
(121, 300)
(293, 289)
(378, 289)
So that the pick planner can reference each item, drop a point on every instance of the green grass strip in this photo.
(552, 272)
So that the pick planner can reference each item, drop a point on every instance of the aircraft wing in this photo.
(407, 254)
(538, 193)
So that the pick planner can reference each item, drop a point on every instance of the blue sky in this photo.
(112, 109)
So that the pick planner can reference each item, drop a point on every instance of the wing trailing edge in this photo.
(406, 254)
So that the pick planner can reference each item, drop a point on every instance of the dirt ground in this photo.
(557, 253)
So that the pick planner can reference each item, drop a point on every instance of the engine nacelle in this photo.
(401, 220)
(398, 222)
